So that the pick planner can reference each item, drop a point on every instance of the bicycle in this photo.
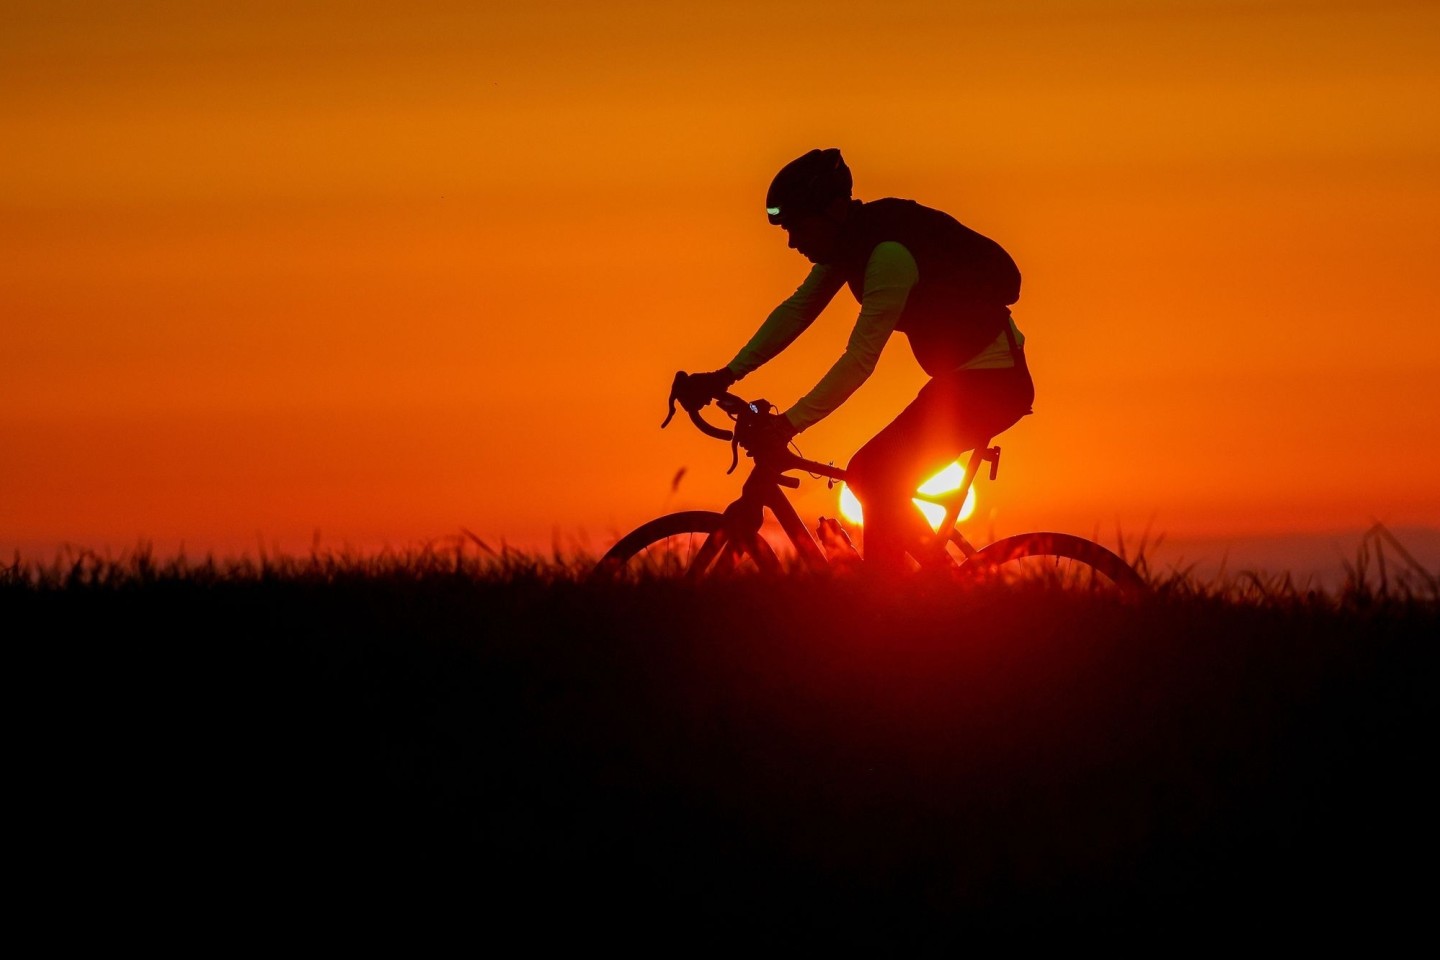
(698, 543)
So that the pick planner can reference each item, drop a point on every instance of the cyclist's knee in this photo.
(857, 471)
(871, 476)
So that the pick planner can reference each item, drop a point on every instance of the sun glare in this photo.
(943, 482)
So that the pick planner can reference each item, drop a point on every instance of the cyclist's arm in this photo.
(889, 275)
(789, 320)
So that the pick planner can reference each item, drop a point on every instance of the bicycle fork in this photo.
(744, 517)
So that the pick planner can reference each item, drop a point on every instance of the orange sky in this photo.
(388, 272)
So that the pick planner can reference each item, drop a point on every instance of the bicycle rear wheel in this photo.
(691, 544)
(1053, 559)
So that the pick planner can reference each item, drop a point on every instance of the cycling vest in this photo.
(960, 304)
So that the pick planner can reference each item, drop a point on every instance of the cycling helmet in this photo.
(807, 185)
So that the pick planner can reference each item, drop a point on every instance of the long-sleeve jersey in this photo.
(890, 273)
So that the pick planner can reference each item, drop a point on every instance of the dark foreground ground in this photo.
(798, 761)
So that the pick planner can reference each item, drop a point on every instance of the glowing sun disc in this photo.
(943, 482)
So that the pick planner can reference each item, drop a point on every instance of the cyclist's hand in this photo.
(698, 389)
(769, 432)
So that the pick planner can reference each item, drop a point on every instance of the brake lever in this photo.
(674, 389)
(701, 424)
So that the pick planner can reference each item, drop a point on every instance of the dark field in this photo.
(804, 760)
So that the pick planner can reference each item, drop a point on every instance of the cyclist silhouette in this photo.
(915, 270)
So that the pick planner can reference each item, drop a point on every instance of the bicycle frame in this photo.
(762, 489)
(745, 516)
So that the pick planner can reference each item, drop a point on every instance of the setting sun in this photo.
(943, 482)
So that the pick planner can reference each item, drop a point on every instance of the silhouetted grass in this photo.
(807, 757)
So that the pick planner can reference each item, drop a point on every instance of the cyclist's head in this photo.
(809, 197)
(807, 186)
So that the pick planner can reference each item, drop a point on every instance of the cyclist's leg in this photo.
(884, 474)
(951, 414)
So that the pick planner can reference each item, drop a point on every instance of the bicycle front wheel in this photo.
(691, 544)
(1054, 559)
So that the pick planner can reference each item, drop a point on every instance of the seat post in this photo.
(956, 499)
